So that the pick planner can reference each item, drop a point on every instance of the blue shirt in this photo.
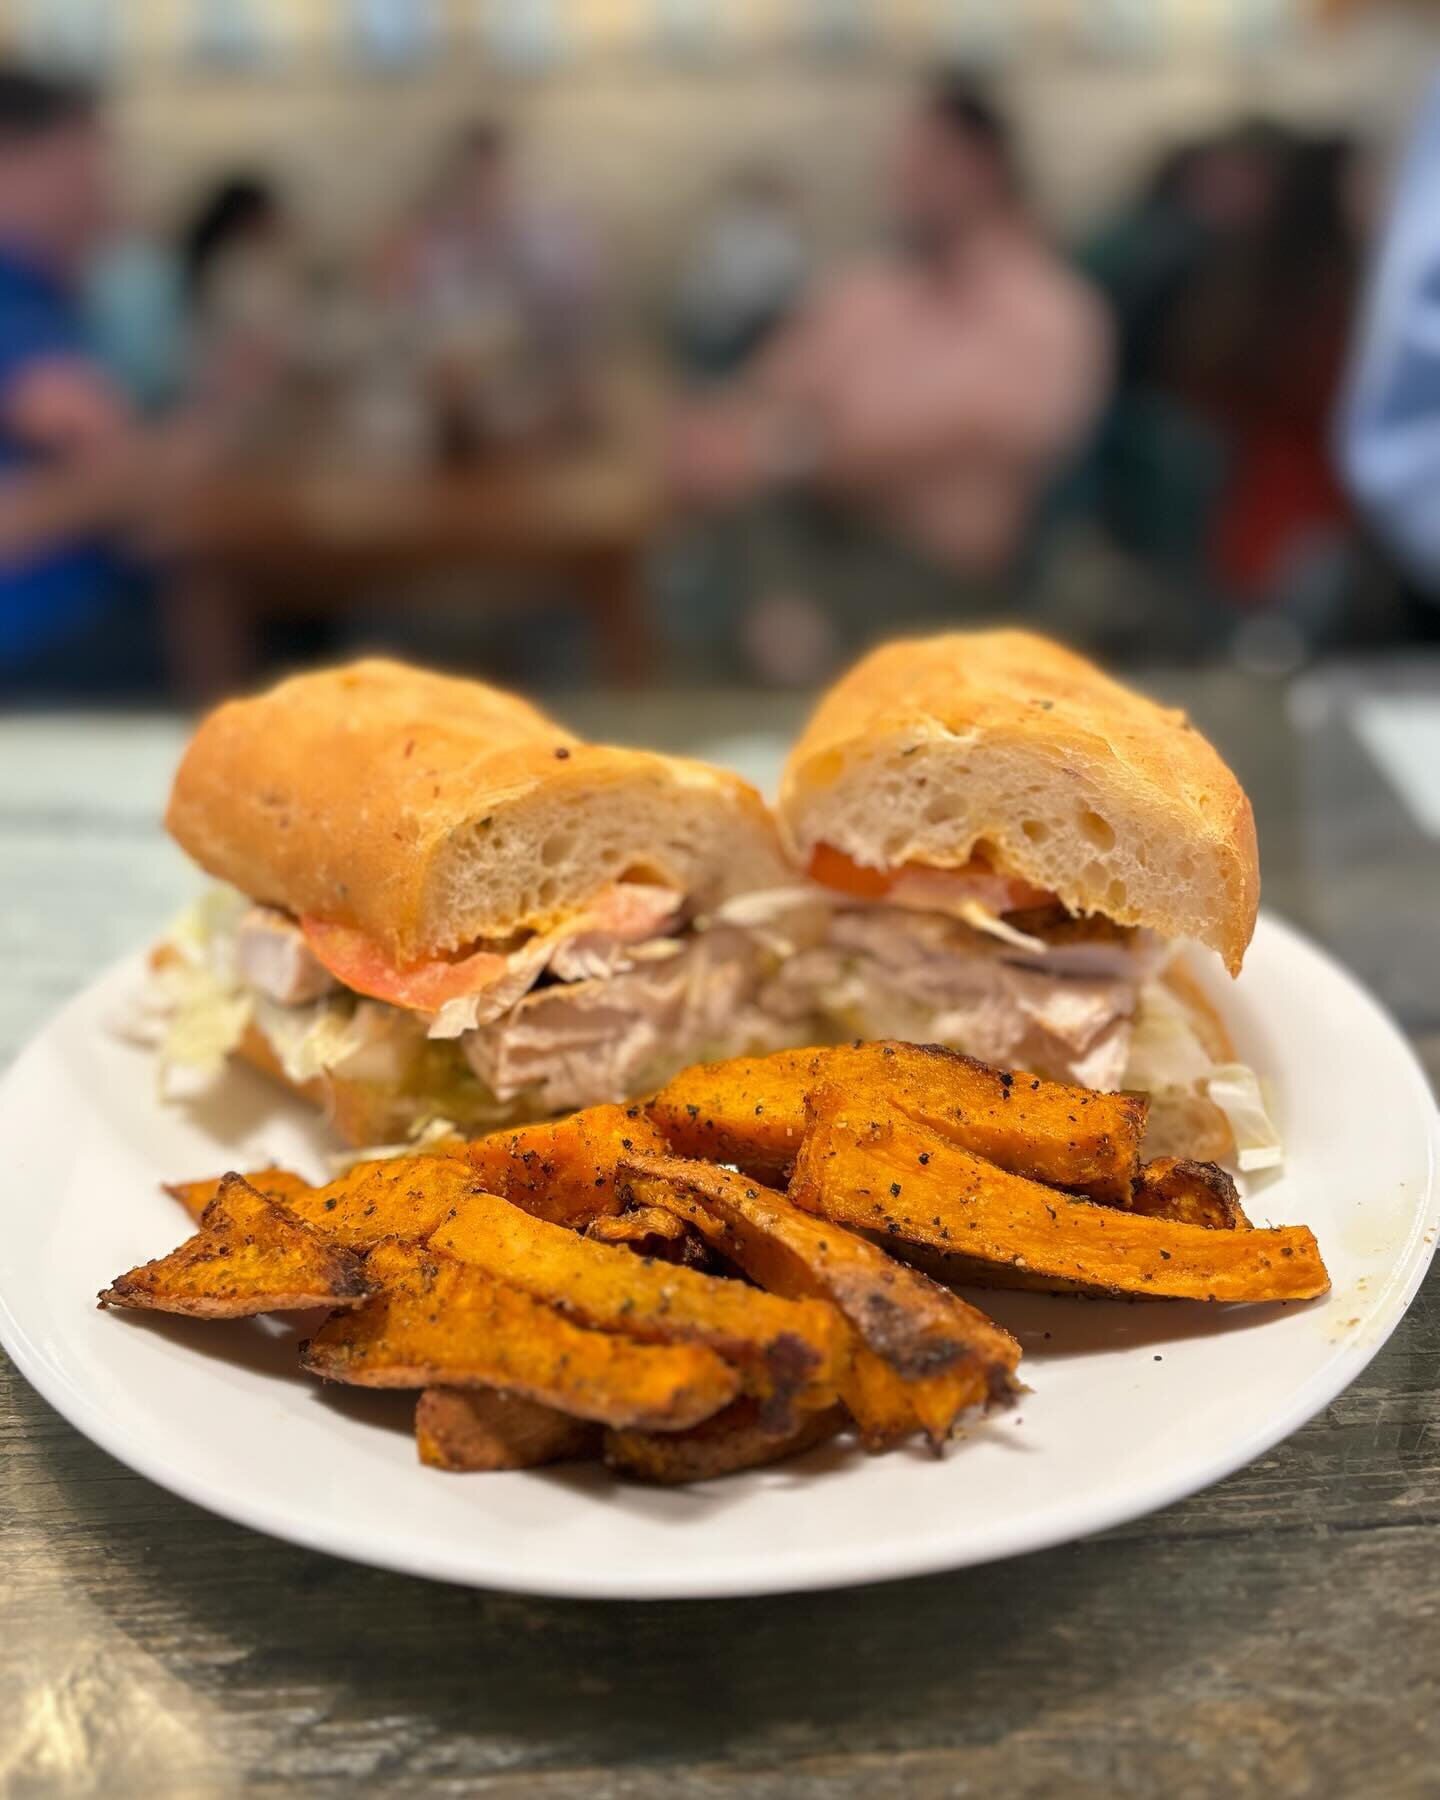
(1390, 425)
(53, 595)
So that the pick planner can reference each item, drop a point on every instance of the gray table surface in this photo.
(1278, 1634)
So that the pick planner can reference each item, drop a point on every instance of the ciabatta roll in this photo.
(1016, 846)
(1004, 747)
(457, 908)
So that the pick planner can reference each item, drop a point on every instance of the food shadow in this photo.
(1051, 1326)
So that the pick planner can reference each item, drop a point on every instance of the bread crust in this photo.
(1205, 1021)
(1006, 743)
(419, 808)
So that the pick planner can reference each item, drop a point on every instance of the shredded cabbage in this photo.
(781, 920)
(1235, 1089)
(467, 1012)
(979, 917)
(203, 1011)
(207, 1019)
(204, 932)
(367, 1041)
(1164, 1050)
(1166, 1056)
(767, 905)
(425, 1135)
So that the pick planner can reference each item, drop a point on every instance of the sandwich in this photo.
(1015, 848)
(443, 910)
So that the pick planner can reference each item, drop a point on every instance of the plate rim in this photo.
(830, 1568)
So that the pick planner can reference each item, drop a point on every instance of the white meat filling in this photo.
(272, 957)
(576, 1043)
(1066, 1011)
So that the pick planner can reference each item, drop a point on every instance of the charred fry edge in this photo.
(481, 1430)
(237, 1215)
(1010, 1232)
(733, 1440)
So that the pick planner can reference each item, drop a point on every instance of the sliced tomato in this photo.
(424, 987)
(835, 869)
(628, 911)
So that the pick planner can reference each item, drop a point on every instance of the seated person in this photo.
(78, 472)
(505, 291)
(937, 388)
(1390, 424)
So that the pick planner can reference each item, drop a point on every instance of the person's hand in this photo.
(714, 455)
(163, 466)
(66, 407)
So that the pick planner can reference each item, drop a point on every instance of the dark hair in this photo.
(482, 137)
(234, 207)
(32, 104)
(964, 105)
(1266, 314)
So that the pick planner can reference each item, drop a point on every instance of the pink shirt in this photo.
(945, 398)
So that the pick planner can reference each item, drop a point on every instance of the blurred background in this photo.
(705, 341)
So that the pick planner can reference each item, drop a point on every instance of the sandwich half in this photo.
(1016, 847)
(442, 906)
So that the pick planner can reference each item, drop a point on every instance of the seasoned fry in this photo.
(480, 1430)
(565, 1171)
(437, 1323)
(735, 1439)
(949, 1356)
(286, 1185)
(752, 1112)
(1193, 1193)
(749, 1111)
(651, 1231)
(403, 1197)
(251, 1255)
(888, 1409)
(794, 1352)
(895, 1176)
(275, 1184)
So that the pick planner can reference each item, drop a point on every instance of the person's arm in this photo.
(1390, 419)
(69, 417)
(96, 470)
(824, 407)
(1018, 402)
(763, 430)
(45, 509)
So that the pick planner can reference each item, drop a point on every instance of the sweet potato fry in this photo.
(895, 1176)
(435, 1322)
(403, 1197)
(888, 1409)
(251, 1255)
(735, 1439)
(275, 1184)
(565, 1171)
(478, 1429)
(651, 1231)
(752, 1112)
(794, 1352)
(949, 1356)
(1192, 1193)
(749, 1111)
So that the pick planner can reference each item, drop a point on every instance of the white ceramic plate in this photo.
(1133, 1406)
